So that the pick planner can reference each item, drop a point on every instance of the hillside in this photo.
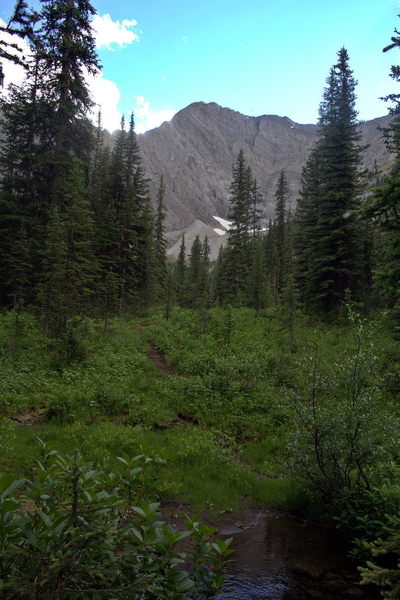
(196, 149)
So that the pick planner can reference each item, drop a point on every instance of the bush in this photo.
(341, 430)
(77, 532)
(7, 434)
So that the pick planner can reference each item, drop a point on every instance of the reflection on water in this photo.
(258, 588)
(282, 558)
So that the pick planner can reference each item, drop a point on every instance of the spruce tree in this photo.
(23, 185)
(68, 274)
(330, 264)
(160, 243)
(20, 25)
(107, 242)
(195, 274)
(81, 268)
(119, 234)
(305, 235)
(45, 129)
(271, 262)
(20, 269)
(52, 287)
(180, 274)
(240, 231)
(169, 291)
(66, 50)
(219, 278)
(128, 199)
(203, 301)
(383, 207)
(289, 299)
(205, 277)
(145, 261)
(281, 195)
(257, 276)
(19, 280)
(256, 199)
(98, 173)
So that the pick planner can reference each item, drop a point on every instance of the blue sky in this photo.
(257, 57)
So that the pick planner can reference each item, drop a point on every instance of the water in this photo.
(259, 588)
(282, 558)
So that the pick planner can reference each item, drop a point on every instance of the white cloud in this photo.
(13, 73)
(108, 32)
(146, 118)
(106, 95)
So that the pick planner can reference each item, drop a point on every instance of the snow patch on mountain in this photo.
(225, 224)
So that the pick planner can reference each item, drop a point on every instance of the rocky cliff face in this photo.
(196, 149)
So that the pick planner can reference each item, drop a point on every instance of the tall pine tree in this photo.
(241, 215)
(46, 130)
(383, 207)
(281, 195)
(160, 244)
(329, 249)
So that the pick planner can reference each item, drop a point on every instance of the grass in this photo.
(221, 424)
(197, 469)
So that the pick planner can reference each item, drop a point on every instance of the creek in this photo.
(283, 558)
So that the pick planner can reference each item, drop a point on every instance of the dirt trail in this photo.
(36, 416)
(158, 360)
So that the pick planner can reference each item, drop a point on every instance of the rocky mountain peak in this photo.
(196, 149)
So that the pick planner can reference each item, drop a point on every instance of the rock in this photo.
(308, 568)
(195, 151)
(197, 228)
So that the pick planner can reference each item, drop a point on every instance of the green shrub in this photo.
(7, 434)
(78, 532)
(341, 430)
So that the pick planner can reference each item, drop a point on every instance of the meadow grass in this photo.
(221, 423)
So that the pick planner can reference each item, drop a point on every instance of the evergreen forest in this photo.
(133, 386)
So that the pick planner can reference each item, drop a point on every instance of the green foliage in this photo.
(384, 207)
(341, 428)
(7, 434)
(236, 262)
(20, 24)
(181, 274)
(281, 194)
(78, 531)
(239, 400)
(384, 567)
(328, 239)
(160, 244)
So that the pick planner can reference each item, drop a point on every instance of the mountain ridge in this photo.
(196, 149)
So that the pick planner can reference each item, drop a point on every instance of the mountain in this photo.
(200, 229)
(195, 151)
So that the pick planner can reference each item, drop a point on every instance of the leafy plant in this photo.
(77, 532)
(339, 434)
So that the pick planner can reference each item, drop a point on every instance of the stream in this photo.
(283, 558)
